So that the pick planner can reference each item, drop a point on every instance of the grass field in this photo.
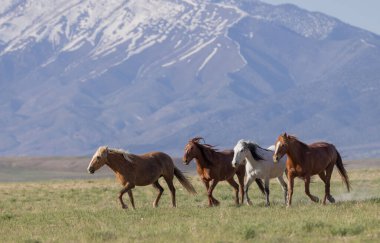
(89, 211)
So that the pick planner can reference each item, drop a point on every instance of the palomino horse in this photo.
(214, 166)
(307, 160)
(259, 164)
(139, 170)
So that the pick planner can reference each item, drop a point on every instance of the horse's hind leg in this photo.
(329, 171)
(280, 179)
(131, 198)
(322, 175)
(160, 190)
(233, 183)
(172, 189)
(267, 192)
(307, 189)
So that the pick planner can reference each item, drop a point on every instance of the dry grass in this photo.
(88, 211)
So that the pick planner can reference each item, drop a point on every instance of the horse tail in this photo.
(260, 184)
(342, 171)
(184, 181)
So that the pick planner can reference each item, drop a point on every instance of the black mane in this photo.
(252, 148)
(202, 148)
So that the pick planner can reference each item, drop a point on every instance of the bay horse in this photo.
(259, 164)
(305, 161)
(214, 166)
(139, 170)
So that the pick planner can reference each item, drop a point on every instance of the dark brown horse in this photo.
(305, 161)
(139, 170)
(214, 166)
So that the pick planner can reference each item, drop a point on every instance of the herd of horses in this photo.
(247, 160)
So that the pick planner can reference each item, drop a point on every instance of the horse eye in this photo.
(97, 157)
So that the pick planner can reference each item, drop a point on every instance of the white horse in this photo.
(260, 165)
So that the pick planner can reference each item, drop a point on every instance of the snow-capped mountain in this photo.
(149, 75)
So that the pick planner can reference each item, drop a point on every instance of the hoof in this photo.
(315, 199)
(331, 199)
(249, 203)
(124, 206)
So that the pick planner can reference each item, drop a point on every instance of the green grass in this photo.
(89, 211)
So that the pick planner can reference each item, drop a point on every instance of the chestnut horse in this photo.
(139, 170)
(214, 166)
(305, 161)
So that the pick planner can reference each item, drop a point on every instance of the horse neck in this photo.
(296, 151)
(201, 159)
(250, 159)
(118, 163)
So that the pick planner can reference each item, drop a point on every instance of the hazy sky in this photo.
(361, 13)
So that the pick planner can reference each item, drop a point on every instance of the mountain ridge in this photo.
(151, 76)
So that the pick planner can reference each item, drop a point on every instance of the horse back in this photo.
(156, 157)
(157, 163)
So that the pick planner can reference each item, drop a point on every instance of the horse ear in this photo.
(197, 139)
(106, 151)
(285, 136)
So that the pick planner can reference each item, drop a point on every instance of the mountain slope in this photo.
(78, 74)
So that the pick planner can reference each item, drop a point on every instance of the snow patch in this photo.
(367, 44)
(208, 58)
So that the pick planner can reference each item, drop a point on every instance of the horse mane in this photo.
(293, 138)
(126, 154)
(253, 149)
(206, 149)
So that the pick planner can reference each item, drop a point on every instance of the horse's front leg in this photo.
(267, 192)
(248, 182)
(307, 189)
(290, 188)
(126, 188)
(207, 185)
(214, 182)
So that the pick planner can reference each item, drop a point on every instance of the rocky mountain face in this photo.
(149, 75)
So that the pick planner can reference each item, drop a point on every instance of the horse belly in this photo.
(147, 177)
(275, 172)
(257, 173)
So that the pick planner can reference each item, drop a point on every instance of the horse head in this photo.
(191, 150)
(98, 159)
(240, 151)
(281, 147)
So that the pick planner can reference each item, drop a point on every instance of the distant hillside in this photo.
(149, 75)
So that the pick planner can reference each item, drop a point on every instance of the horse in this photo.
(214, 166)
(139, 170)
(259, 164)
(305, 161)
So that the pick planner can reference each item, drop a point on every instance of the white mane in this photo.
(122, 151)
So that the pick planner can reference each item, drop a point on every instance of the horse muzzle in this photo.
(275, 158)
(91, 170)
